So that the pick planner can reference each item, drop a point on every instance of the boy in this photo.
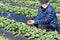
(46, 17)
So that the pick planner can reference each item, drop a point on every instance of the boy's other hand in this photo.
(30, 22)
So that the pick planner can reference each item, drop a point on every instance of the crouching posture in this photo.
(46, 17)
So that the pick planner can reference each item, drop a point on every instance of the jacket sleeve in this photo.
(37, 18)
(47, 19)
(38, 15)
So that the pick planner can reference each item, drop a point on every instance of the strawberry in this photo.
(15, 36)
(29, 21)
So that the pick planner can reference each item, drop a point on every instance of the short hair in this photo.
(44, 1)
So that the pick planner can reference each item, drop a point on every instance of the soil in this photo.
(11, 36)
(59, 23)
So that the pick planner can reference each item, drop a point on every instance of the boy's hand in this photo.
(30, 22)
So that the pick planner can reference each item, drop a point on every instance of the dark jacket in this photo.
(46, 17)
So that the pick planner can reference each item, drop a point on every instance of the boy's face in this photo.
(45, 5)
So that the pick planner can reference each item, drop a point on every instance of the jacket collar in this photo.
(45, 10)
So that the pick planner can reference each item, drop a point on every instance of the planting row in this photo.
(31, 3)
(53, 1)
(18, 28)
(30, 32)
(28, 3)
(18, 10)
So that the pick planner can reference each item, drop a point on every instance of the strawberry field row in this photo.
(27, 3)
(25, 30)
(32, 3)
(18, 10)
(53, 1)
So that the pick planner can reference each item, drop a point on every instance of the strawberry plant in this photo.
(18, 10)
(35, 3)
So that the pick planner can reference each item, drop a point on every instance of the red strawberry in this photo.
(29, 21)
(15, 36)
